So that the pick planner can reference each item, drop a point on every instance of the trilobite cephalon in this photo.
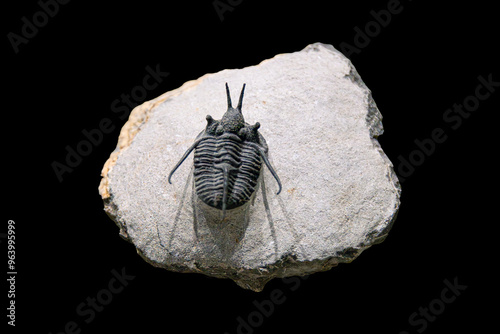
(228, 157)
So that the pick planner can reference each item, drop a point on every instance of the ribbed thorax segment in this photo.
(227, 155)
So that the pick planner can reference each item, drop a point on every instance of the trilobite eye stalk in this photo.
(240, 102)
(228, 94)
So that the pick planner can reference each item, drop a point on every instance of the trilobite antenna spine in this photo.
(228, 159)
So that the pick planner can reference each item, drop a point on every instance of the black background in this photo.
(65, 78)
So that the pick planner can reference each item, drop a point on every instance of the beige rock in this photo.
(340, 193)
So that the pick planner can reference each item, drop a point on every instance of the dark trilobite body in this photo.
(228, 157)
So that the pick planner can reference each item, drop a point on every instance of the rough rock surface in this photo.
(340, 193)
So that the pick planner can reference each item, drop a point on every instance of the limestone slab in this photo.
(340, 193)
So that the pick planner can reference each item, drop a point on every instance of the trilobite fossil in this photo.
(228, 158)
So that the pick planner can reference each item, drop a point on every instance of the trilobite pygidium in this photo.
(228, 157)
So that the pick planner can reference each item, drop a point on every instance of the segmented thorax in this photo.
(226, 170)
